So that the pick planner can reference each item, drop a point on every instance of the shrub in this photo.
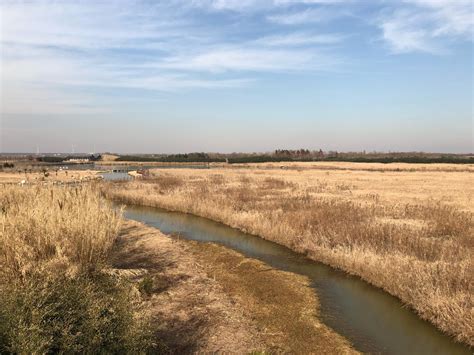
(55, 292)
(59, 314)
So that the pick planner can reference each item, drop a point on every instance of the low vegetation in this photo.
(302, 155)
(56, 291)
(389, 228)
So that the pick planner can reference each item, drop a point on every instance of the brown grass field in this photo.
(56, 293)
(407, 229)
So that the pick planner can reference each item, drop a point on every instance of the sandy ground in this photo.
(63, 176)
(207, 299)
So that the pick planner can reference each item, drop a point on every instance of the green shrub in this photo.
(146, 285)
(84, 314)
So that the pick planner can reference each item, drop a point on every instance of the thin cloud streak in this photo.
(51, 49)
(243, 59)
(300, 39)
(308, 16)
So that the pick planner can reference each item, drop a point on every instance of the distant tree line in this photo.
(173, 158)
(285, 155)
(279, 155)
(62, 159)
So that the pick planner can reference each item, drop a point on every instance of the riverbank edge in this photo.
(271, 310)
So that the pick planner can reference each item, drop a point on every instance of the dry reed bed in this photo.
(46, 228)
(55, 292)
(418, 249)
(378, 167)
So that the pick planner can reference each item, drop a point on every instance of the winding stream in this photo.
(371, 319)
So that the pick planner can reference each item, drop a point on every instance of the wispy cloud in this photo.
(259, 5)
(311, 15)
(312, 2)
(404, 33)
(300, 39)
(55, 52)
(425, 25)
(233, 5)
(52, 50)
(244, 59)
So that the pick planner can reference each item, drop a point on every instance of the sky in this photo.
(236, 75)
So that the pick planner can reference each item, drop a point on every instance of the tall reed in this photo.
(55, 295)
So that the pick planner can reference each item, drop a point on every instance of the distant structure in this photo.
(78, 160)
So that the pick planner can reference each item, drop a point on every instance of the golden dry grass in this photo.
(51, 176)
(328, 165)
(409, 232)
(54, 228)
(55, 291)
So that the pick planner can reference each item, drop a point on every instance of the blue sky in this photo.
(228, 75)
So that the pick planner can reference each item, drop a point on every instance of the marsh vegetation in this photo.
(406, 229)
(410, 233)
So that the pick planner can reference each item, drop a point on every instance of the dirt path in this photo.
(207, 298)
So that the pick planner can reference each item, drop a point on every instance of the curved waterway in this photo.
(371, 319)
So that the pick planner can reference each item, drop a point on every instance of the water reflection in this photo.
(116, 176)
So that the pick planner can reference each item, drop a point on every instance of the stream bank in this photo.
(203, 297)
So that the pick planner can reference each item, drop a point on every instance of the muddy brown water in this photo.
(371, 319)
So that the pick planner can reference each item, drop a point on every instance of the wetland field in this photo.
(407, 229)
(291, 257)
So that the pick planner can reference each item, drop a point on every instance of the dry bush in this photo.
(446, 222)
(55, 295)
(343, 187)
(240, 197)
(217, 179)
(244, 179)
(275, 184)
(318, 187)
(165, 183)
